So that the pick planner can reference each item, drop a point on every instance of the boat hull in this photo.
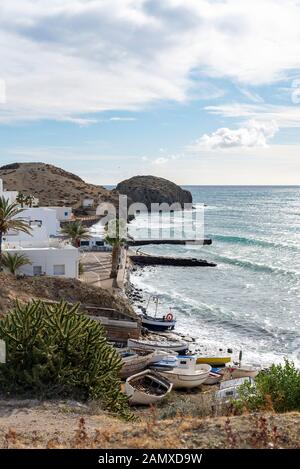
(187, 379)
(151, 345)
(237, 372)
(213, 361)
(158, 325)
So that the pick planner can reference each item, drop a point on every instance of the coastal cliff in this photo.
(152, 189)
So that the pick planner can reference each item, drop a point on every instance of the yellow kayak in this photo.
(215, 361)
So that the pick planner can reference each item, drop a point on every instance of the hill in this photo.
(152, 189)
(52, 185)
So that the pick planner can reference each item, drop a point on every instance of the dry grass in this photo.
(56, 289)
(66, 426)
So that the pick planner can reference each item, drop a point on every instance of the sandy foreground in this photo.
(32, 424)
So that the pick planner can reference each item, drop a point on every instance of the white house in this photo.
(48, 254)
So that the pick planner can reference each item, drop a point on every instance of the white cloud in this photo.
(125, 119)
(254, 134)
(285, 116)
(67, 58)
(161, 160)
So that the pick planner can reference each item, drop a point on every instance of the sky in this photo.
(197, 91)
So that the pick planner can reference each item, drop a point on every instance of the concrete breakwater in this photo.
(170, 261)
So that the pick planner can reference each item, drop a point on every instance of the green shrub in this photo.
(52, 351)
(279, 387)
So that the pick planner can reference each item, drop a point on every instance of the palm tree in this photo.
(114, 237)
(9, 221)
(13, 262)
(21, 199)
(29, 200)
(75, 232)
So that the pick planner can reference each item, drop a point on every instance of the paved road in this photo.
(97, 267)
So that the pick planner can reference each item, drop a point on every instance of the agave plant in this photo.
(10, 220)
(13, 262)
(75, 232)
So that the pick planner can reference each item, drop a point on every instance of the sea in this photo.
(251, 300)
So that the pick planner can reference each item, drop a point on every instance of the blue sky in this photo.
(198, 92)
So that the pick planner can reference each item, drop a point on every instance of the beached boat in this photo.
(147, 388)
(167, 345)
(229, 389)
(136, 360)
(186, 374)
(237, 371)
(153, 323)
(213, 378)
(214, 360)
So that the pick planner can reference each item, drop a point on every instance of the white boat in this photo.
(186, 374)
(167, 345)
(146, 388)
(237, 371)
(229, 389)
(136, 360)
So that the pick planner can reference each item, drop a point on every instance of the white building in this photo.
(88, 203)
(63, 213)
(95, 243)
(43, 217)
(48, 254)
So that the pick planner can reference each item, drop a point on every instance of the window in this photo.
(84, 243)
(99, 243)
(66, 214)
(59, 269)
(37, 270)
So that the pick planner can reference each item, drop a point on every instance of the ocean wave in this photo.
(212, 315)
(252, 241)
(255, 266)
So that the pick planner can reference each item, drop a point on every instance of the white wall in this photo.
(88, 203)
(47, 258)
(63, 213)
(44, 214)
(38, 237)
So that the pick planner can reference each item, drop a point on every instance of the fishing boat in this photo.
(167, 345)
(186, 374)
(214, 360)
(137, 360)
(147, 388)
(153, 323)
(237, 371)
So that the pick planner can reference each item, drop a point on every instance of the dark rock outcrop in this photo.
(152, 189)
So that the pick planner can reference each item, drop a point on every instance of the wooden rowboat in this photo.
(146, 388)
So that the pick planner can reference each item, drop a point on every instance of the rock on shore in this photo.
(152, 189)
